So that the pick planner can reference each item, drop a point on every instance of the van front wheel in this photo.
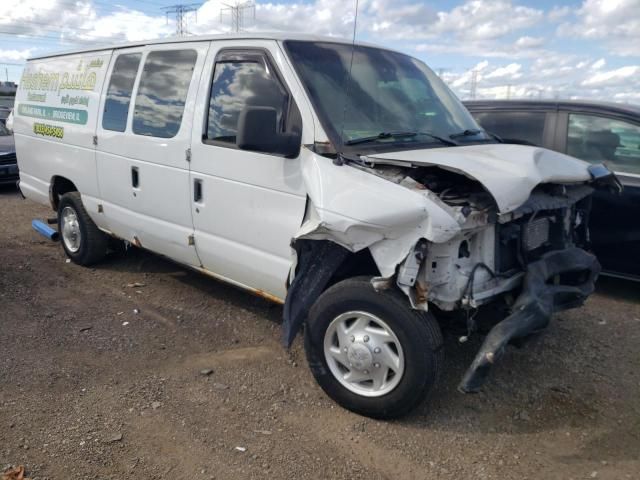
(369, 351)
(82, 240)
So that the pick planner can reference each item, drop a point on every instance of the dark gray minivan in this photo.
(593, 131)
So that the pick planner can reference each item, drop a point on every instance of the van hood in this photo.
(508, 172)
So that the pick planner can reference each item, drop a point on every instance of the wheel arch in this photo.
(320, 265)
(58, 186)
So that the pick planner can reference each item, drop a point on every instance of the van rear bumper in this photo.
(539, 299)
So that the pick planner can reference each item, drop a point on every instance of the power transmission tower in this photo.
(237, 13)
(474, 83)
(180, 10)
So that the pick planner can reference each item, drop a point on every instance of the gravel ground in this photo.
(195, 385)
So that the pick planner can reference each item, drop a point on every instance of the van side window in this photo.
(162, 92)
(116, 106)
(241, 80)
(599, 139)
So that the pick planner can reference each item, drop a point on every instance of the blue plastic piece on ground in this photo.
(44, 229)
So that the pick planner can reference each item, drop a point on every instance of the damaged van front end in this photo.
(455, 228)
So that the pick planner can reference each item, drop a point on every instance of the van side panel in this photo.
(155, 212)
(54, 123)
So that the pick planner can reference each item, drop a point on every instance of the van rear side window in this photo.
(162, 92)
(116, 107)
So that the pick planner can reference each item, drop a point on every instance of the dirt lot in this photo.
(90, 389)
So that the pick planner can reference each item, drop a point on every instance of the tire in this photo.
(83, 242)
(415, 341)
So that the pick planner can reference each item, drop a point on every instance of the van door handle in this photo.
(135, 177)
(197, 190)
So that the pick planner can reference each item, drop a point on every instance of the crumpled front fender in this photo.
(349, 210)
(359, 210)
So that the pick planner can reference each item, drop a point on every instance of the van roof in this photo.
(280, 36)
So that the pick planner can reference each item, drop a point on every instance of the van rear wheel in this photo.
(370, 351)
(82, 240)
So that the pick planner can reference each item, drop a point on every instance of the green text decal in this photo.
(67, 115)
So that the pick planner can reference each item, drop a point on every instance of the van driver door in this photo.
(247, 205)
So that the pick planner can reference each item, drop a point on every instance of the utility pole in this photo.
(180, 10)
(508, 91)
(237, 13)
(474, 84)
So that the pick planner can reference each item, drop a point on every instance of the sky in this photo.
(508, 49)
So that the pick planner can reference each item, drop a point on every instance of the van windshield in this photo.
(391, 100)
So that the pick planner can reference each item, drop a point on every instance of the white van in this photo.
(345, 181)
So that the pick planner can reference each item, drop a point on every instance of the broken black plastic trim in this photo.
(540, 298)
(605, 178)
(318, 260)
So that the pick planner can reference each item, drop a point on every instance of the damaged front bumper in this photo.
(559, 280)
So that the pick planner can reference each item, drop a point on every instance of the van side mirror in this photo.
(258, 131)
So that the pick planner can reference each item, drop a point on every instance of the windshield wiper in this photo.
(475, 131)
(466, 133)
(385, 135)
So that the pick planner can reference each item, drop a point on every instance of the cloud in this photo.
(627, 97)
(384, 19)
(490, 49)
(32, 17)
(491, 81)
(614, 22)
(80, 23)
(466, 77)
(529, 42)
(321, 17)
(557, 13)
(481, 27)
(398, 19)
(617, 77)
(124, 25)
(484, 19)
(15, 55)
(511, 71)
(554, 76)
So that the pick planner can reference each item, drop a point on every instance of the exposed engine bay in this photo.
(493, 250)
